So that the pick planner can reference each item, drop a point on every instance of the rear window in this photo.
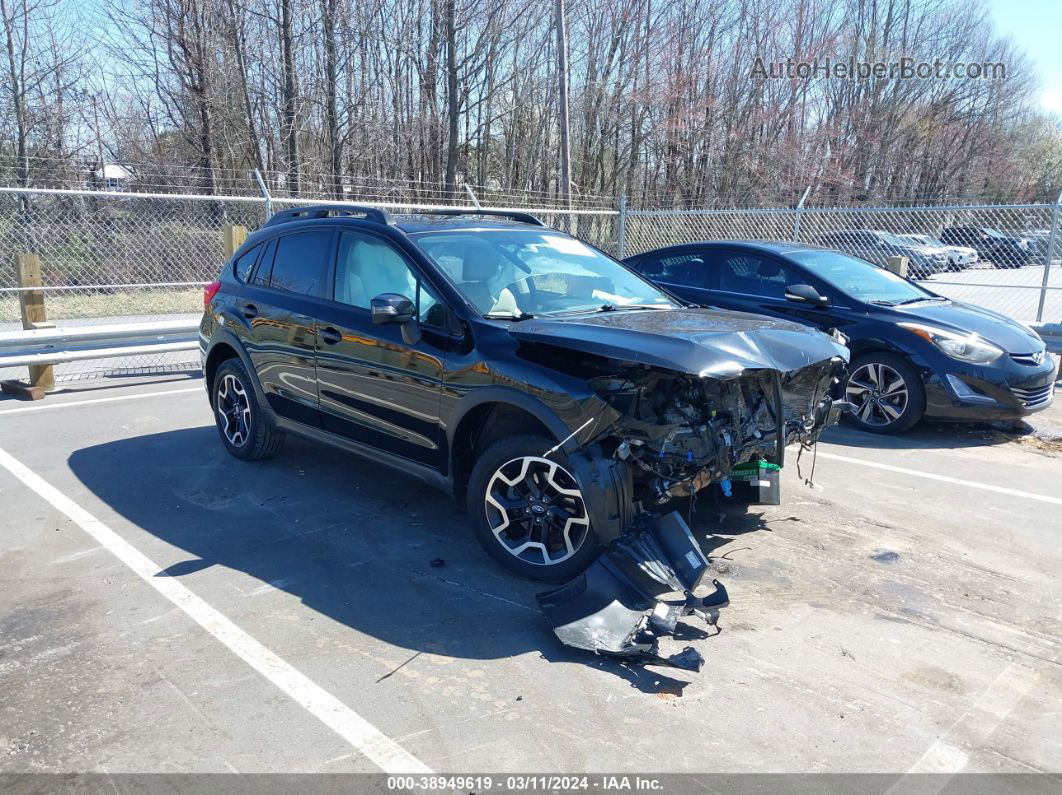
(244, 264)
(265, 265)
(301, 262)
(686, 270)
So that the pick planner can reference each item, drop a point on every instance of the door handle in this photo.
(249, 311)
(329, 335)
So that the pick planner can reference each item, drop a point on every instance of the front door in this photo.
(379, 385)
(752, 282)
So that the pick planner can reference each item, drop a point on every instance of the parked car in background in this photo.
(999, 249)
(959, 257)
(877, 246)
(1039, 240)
(914, 353)
(551, 390)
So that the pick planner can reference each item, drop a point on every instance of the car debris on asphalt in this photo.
(616, 607)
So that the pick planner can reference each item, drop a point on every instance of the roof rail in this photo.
(326, 210)
(512, 215)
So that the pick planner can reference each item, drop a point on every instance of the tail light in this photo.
(209, 291)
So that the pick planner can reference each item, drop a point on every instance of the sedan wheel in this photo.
(535, 511)
(885, 393)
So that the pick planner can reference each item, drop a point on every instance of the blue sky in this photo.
(1036, 26)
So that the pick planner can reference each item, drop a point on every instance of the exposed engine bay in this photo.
(681, 432)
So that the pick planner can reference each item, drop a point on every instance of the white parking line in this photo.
(137, 396)
(971, 728)
(388, 755)
(973, 484)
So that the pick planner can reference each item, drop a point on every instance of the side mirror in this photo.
(805, 294)
(392, 308)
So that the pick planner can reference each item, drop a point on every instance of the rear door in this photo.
(379, 385)
(280, 306)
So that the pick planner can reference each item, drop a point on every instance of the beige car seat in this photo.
(481, 279)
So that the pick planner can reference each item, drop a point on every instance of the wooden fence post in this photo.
(897, 265)
(34, 316)
(232, 238)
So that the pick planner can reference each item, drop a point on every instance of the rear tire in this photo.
(246, 434)
(528, 511)
(886, 391)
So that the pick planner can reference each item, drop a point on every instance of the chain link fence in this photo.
(131, 257)
(1005, 258)
(121, 257)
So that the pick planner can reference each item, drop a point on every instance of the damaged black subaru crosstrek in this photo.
(551, 390)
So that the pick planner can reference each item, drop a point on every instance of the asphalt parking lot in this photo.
(1014, 292)
(166, 608)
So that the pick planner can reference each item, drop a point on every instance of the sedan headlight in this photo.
(964, 347)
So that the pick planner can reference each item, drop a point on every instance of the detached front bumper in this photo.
(615, 608)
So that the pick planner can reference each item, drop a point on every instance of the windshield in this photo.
(859, 279)
(923, 240)
(520, 272)
(992, 232)
(895, 240)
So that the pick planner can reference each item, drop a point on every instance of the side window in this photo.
(755, 275)
(367, 266)
(301, 262)
(242, 267)
(265, 265)
(687, 270)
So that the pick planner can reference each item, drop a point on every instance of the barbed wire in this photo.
(188, 179)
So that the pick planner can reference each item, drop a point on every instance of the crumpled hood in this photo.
(705, 342)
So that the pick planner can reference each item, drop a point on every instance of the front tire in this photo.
(528, 510)
(886, 392)
(242, 428)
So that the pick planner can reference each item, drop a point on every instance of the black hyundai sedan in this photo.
(914, 353)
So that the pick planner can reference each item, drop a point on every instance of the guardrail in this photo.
(1052, 335)
(38, 347)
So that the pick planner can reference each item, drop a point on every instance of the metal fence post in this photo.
(799, 212)
(265, 194)
(1051, 241)
(621, 227)
(472, 195)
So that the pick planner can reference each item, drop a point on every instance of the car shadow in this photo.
(372, 550)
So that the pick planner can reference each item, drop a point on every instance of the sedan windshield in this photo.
(860, 279)
(895, 240)
(520, 272)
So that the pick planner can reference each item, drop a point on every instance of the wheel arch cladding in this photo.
(223, 338)
(481, 426)
(219, 353)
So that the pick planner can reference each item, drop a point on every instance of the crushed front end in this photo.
(681, 432)
(663, 434)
